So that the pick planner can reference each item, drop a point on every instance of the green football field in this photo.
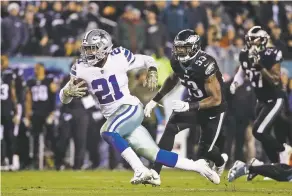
(179, 183)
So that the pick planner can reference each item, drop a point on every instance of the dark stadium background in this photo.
(50, 32)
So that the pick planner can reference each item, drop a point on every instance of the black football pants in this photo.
(38, 126)
(210, 132)
(8, 136)
(268, 117)
(279, 172)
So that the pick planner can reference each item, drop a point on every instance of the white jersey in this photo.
(110, 83)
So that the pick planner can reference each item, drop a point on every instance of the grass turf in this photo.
(179, 183)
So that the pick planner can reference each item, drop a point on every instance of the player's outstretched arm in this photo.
(167, 86)
(238, 80)
(139, 61)
(213, 89)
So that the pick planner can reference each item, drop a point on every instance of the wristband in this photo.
(152, 68)
(194, 105)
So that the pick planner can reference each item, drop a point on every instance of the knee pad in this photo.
(114, 139)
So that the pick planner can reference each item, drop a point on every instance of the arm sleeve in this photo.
(239, 77)
(142, 61)
(138, 60)
(64, 99)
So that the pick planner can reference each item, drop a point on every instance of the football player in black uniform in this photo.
(9, 115)
(199, 73)
(262, 66)
(39, 104)
(278, 171)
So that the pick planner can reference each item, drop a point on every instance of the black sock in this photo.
(279, 172)
(166, 143)
(214, 155)
(271, 153)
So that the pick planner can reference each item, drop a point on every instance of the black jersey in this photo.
(193, 77)
(43, 99)
(263, 88)
(7, 105)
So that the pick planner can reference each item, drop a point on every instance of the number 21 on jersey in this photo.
(103, 92)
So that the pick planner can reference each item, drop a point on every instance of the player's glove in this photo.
(149, 107)
(74, 90)
(180, 106)
(152, 79)
(254, 57)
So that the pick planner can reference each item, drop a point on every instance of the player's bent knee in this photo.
(114, 139)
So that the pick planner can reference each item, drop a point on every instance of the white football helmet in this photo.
(96, 44)
(257, 38)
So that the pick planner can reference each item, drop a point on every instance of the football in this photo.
(78, 80)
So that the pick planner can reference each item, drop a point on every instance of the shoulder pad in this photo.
(125, 52)
(78, 61)
(210, 67)
(274, 54)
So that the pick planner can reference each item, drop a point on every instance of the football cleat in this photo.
(220, 169)
(238, 169)
(207, 172)
(285, 156)
(141, 176)
(267, 179)
(155, 179)
(253, 162)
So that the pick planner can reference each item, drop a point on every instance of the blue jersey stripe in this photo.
(126, 53)
(136, 107)
(73, 72)
(117, 117)
(130, 57)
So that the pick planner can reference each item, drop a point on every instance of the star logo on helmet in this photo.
(95, 38)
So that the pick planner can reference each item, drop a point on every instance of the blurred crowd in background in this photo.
(55, 28)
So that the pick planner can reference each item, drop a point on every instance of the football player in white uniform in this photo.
(105, 71)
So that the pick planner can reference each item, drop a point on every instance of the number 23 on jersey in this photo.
(103, 89)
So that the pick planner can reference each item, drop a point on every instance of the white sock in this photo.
(131, 157)
(186, 164)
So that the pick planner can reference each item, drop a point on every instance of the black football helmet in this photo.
(186, 45)
(256, 38)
